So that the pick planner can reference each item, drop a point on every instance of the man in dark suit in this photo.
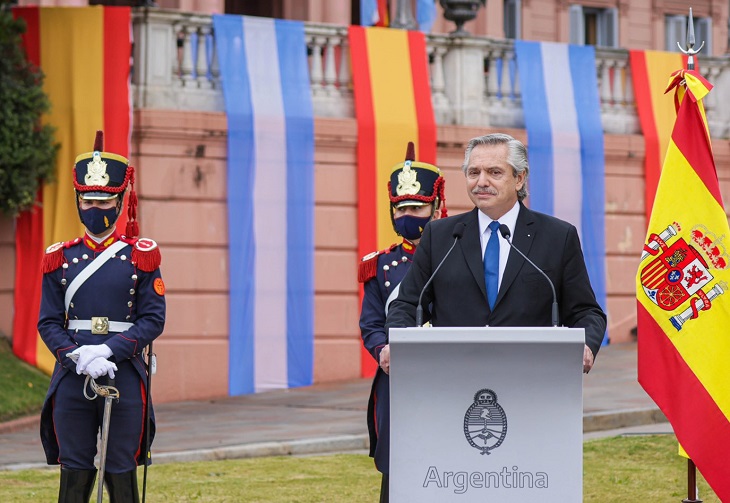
(485, 282)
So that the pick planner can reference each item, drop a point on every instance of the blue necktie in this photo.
(491, 265)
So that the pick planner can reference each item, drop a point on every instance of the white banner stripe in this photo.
(269, 194)
(567, 173)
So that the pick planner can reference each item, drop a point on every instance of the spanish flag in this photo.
(393, 106)
(682, 286)
(655, 109)
(85, 56)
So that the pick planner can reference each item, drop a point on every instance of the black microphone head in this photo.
(504, 231)
(459, 230)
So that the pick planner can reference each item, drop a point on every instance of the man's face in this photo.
(489, 180)
(416, 211)
(410, 229)
(87, 204)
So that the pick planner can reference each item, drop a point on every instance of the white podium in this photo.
(486, 414)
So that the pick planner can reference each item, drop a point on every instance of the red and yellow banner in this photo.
(383, 13)
(683, 292)
(84, 54)
(392, 106)
(656, 110)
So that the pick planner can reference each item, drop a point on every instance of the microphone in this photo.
(504, 231)
(457, 233)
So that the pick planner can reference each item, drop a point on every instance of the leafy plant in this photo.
(27, 148)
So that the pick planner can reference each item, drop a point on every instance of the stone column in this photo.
(464, 82)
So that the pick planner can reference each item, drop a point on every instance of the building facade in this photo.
(179, 148)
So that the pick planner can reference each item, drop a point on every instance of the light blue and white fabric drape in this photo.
(562, 112)
(425, 14)
(369, 12)
(263, 64)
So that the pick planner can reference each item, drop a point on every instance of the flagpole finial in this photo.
(691, 51)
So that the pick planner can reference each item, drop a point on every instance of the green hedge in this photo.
(27, 148)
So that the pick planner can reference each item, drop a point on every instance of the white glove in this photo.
(100, 367)
(86, 354)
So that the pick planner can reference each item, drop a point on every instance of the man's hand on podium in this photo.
(385, 359)
(587, 359)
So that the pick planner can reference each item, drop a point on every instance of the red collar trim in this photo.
(408, 247)
(99, 247)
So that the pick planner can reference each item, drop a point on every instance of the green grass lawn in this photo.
(618, 469)
(23, 387)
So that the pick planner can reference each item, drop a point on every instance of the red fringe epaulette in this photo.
(146, 254)
(53, 259)
(368, 267)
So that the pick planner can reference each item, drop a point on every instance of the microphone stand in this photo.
(458, 233)
(505, 232)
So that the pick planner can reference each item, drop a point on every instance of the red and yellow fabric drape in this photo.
(85, 55)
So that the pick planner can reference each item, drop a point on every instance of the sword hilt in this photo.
(102, 390)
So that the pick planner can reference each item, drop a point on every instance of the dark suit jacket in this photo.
(457, 296)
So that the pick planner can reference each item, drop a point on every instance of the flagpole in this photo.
(691, 483)
(690, 51)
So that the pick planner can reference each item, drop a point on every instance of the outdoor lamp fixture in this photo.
(461, 11)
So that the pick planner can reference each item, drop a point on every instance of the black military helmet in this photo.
(414, 183)
(100, 175)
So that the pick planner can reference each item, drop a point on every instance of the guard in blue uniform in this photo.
(416, 191)
(103, 303)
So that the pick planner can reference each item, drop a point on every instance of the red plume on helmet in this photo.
(410, 152)
(99, 141)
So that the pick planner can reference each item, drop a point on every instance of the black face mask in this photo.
(97, 220)
(410, 227)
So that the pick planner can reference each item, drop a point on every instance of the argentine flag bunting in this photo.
(565, 143)
(425, 14)
(270, 171)
(369, 12)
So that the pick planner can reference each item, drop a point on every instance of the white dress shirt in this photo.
(510, 220)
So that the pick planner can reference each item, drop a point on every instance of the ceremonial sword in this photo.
(110, 393)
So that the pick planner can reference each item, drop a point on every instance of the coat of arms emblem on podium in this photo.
(485, 423)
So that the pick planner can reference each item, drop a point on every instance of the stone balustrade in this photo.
(474, 80)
